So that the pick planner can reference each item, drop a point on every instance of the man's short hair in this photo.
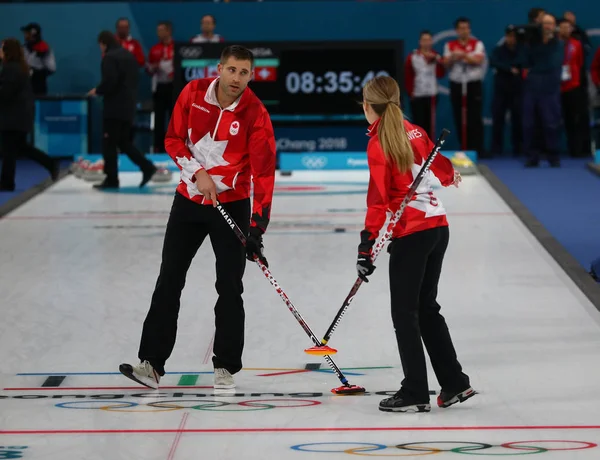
(461, 20)
(238, 52)
(167, 24)
(106, 37)
(425, 32)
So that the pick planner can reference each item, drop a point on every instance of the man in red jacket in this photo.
(128, 42)
(221, 137)
(571, 89)
(422, 68)
(160, 66)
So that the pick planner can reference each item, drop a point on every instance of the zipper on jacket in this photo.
(217, 125)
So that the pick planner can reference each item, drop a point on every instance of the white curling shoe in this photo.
(223, 380)
(142, 373)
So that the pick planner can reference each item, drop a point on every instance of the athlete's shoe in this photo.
(142, 373)
(403, 403)
(447, 398)
(223, 380)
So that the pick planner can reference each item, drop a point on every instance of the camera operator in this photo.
(541, 90)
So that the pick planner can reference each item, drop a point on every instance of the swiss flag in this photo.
(265, 74)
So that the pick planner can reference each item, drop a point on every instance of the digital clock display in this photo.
(301, 80)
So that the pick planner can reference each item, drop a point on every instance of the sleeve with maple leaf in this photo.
(261, 146)
(177, 135)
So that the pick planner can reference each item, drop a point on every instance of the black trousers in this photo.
(14, 144)
(163, 106)
(571, 102)
(414, 271)
(117, 135)
(423, 113)
(507, 99)
(474, 117)
(189, 224)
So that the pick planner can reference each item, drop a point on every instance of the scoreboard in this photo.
(301, 81)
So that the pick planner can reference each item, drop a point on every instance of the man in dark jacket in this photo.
(541, 93)
(119, 88)
(507, 60)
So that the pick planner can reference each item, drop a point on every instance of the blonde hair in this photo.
(383, 95)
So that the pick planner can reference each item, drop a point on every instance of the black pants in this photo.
(415, 267)
(163, 105)
(14, 143)
(423, 113)
(117, 135)
(571, 102)
(474, 116)
(507, 100)
(188, 226)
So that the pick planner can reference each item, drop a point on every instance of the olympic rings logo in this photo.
(416, 449)
(190, 52)
(314, 162)
(193, 404)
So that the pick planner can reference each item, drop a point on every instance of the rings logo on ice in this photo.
(187, 404)
(190, 52)
(314, 162)
(368, 449)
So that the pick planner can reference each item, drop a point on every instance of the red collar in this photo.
(372, 131)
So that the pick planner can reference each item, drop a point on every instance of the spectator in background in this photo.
(39, 57)
(578, 33)
(570, 88)
(16, 115)
(128, 42)
(119, 86)
(465, 58)
(541, 93)
(586, 132)
(421, 70)
(160, 66)
(595, 69)
(208, 23)
(507, 59)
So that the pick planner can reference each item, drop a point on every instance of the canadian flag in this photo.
(265, 74)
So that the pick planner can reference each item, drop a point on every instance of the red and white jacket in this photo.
(134, 47)
(421, 74)
(160, 63)
(459, 71)
(572, 64)
(234, 145)
(388, 186)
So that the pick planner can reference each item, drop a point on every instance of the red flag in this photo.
(265, 74)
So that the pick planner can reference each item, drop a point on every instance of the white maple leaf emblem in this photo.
(207, 153)
(422, 199)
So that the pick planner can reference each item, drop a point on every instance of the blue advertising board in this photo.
(61, 126)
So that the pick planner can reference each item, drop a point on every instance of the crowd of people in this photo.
(540, 79)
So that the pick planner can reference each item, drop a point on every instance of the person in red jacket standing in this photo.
(595, 69)
(421, 70)
(396, 151)
(128, 42)
(160, 66)
(572, 98)
(221, 137)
